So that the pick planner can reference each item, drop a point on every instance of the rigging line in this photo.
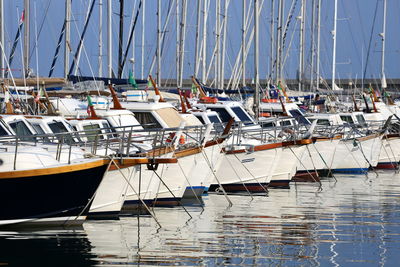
(87, 58)
(131, 36)
(60, 39)
(14, 46)
(78, 50)
(40, 29)
(173, 195)
(289, 20)
(163, 31)
(289, 46)
(370, 39)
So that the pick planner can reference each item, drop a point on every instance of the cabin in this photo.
(326, 119)
(230, 109)
(20, 127)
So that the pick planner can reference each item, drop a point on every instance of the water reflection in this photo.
(46, 248)
(354, 221)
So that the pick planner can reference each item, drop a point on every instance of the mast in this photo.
(196, 43)
(26, 35)
(142, 54)
(279, 41)
(132, 60)
(67, 36)
(109, 39)
(204, 54)
(100, 59)
(222, 72)
(301, 38)
(159, 42)
(217, 41)
(318, 43)
(334, 45)
(272, 33)
(177, 29)
(243, 42)
(312, 45)
(2, 38)
(121, 37)
(383, 35)
(182, 42)
(256, 59)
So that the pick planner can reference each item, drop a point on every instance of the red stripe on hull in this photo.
(306, 177)
(279, 184)
(387, 165)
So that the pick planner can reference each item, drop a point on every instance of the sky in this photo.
(358, 27)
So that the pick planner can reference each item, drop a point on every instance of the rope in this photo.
(133, 189)
(173, 195)
(216, 178)
(320, 184)
(191, 187)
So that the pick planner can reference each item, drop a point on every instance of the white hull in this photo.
(246, 167)
(356, 156)
(287, 164)
(390, 150)
(110, 195)
(319, 155)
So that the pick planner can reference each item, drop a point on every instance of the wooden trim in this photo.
(368, 137)
(33, 117)
(158, 151)
(54, 170)
(303, 142)
(393, 135)
(214, 142)
(256, 148)
(188, 152)
(271, 146)
(129, 162)
(319, 139)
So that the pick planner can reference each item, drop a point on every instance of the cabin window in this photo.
(360, 119)
(3, 132)
(214, 119)
(323, 122)
(200, 119)
(285, 123)
(223, 114)
(21, 129)
(123, 120)
(38, 128)
(170, 116)
(242, 115)
(268, 124)
(147, 120)
(298, 115)
(57, 127)
(106, 127)
(347, 119)
(91, 131)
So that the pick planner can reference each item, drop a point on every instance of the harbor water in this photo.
(354, 221)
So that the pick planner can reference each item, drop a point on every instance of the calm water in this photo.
(353, 222)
